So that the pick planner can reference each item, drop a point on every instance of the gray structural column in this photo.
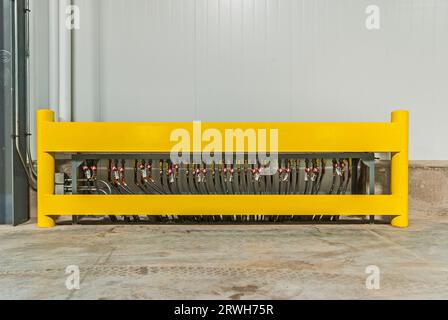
(14, 189)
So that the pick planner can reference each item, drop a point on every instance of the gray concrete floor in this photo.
(226, 262)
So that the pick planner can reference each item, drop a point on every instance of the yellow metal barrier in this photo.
(72, 137)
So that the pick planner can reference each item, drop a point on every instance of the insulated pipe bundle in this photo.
(295, 175)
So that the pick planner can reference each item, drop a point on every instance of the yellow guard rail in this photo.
(72, 137)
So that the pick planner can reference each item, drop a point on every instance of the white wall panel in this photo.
(255, 60)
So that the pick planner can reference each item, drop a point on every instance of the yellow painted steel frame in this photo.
(56, 137)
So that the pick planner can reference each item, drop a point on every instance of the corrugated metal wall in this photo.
(264, 60)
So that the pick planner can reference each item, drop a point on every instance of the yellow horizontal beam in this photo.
(220, 204)
(155, 137)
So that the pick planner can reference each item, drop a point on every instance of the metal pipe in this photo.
(30, 178)
(65, 64)
(54, 56)
(28, 89)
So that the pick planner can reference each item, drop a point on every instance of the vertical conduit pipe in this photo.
(65, 62)
(54, 56)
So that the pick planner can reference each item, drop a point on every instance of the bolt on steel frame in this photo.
(70, 137)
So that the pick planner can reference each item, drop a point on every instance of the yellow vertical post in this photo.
(45, 169)
(400, 170)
